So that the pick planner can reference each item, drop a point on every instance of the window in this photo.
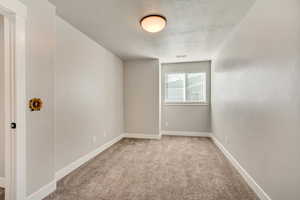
(185, 87)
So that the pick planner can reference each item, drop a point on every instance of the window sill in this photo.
(187, 104)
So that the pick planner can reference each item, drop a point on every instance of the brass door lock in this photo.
(35, 104)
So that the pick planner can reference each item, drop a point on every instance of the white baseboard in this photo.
(51, 187)
(2, 182)
(142, 136)
(43, 192)
(76, 164)
(251, 182)
(186, 133)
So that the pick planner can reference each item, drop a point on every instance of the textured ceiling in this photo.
(196, 28)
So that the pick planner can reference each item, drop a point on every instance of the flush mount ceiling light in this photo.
(153, 23)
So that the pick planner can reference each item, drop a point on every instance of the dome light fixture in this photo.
(153, 23)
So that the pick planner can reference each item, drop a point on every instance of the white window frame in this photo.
(185, 102)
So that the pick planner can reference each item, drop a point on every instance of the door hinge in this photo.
(13, 125)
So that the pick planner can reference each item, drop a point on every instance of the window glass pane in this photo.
(175, 87)
(196, 87)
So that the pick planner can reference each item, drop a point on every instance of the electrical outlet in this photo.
(94, 139)
(167, 124)
(104, 133)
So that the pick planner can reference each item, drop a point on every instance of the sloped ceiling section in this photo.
(196, 28)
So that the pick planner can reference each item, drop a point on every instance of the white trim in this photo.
(15, 168)
(159, 98)
(185, 101)
(8, 102)
(51, 187)
(43, 192)
(251, 182)
(2, 182)
(76, 164)
(48, 189)
(187, 133)
(20, 108)
(142, 136)
(14, 7)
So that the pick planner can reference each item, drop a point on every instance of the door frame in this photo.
(15, 13)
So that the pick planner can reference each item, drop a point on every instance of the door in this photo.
(8, 103)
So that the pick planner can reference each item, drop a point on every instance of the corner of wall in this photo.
(2, 182)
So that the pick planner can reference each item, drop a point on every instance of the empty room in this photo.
(149, 100)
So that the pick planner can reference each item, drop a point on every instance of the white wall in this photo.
(90, 73)
(141, 96)
(191, 118)
(2, 147)
(256, 97)
(88, 95)
(40, 83)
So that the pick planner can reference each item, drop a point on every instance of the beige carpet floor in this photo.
(2, 196)
(173, 168)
